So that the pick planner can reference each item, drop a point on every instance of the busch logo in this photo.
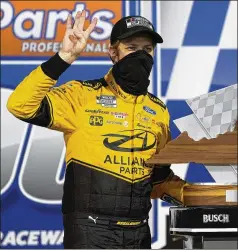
(223, 218)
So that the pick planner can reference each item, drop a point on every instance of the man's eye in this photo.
(148, 49)
(131, 48)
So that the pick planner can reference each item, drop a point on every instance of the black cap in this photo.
(131, 25)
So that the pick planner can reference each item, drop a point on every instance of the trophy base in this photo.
(213, 227)
(211, 194)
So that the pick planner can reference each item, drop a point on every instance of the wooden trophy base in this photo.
(211, 195)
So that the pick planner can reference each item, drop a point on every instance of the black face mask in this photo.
(132, 72)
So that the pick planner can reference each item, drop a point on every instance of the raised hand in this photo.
(75, 38)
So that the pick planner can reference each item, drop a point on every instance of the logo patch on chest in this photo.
(96, 120)
(107, 101)
(149, 110)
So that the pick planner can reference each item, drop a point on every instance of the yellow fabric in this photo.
(172, 186)
(90, 129)
(27, 97)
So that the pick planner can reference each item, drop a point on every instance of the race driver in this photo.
(111, 126)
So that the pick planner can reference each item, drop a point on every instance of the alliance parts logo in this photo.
(142, 140)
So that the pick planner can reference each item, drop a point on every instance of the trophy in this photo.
(208, 217)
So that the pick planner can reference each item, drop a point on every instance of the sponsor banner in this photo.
(37, 29)
(32, 238)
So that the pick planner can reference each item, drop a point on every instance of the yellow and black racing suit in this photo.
(109, 135)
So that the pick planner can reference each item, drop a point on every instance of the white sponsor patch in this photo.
(119, 115)
(138, 21)
(107, 101)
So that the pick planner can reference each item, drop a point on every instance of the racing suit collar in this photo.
(116, 89)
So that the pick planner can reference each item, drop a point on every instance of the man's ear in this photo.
(113, 53)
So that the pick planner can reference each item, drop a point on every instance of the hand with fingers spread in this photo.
(75, 38)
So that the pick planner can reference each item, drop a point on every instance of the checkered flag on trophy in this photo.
(217, 110)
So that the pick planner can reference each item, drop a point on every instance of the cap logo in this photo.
(138, 21)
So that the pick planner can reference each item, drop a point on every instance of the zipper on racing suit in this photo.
(132, 146)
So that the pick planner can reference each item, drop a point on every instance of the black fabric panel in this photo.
(43, 115)
(68, 202)
(156, 100)
(54, 67)
(95, 236)
(160, 173)
(92, 191)
(104, 83)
